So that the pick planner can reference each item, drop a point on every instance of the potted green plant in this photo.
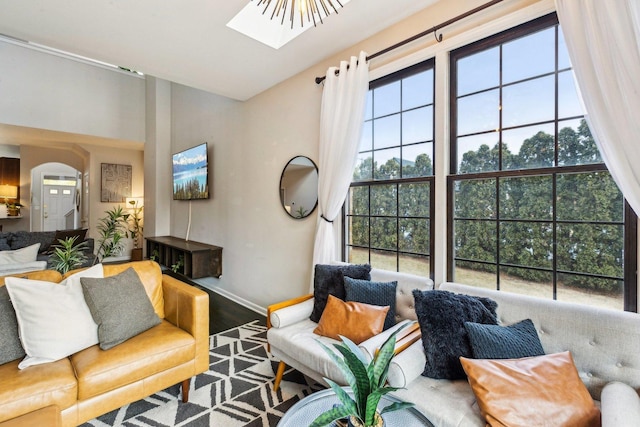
(367, 382)
(178, 264)
(13, 209)
(112, 229)
(135, 229)
(67, 255)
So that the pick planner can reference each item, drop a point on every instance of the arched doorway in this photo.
(55, 197)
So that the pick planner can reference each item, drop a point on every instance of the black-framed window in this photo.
(389, 208)
(532, 208)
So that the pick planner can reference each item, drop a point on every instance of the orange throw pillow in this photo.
(531, 391)
(354, 320)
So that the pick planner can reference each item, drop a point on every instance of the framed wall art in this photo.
(115, 183)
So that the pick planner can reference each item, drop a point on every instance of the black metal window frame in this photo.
(629, 218)
(398, 182)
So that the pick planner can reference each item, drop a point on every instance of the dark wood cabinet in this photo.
(193, 259)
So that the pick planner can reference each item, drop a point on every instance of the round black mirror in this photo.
(299, 187)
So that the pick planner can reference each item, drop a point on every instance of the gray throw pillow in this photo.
(120, 306)
(10, 345)
(441, 315)
(329, 280)
(504, 342)
(374, 293)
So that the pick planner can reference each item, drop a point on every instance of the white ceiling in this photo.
(188, 42)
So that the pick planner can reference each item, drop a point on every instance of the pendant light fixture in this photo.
(308, 10)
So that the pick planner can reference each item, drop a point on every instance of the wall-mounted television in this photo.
(191, 173)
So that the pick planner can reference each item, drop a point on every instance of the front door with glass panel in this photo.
(58, 202)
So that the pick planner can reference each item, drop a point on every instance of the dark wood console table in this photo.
(198, 259)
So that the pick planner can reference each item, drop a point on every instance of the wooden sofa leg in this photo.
(279, 374)
(185, 390)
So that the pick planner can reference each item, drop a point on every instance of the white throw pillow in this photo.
(20, 256)
(54, 320)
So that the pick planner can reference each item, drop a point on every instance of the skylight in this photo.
(273, 32)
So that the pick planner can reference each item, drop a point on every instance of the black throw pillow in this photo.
(442, 315)
(329, 279)
(504, 342)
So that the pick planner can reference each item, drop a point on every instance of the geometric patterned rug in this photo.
(236, 391)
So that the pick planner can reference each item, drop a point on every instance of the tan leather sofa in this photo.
(93, 382)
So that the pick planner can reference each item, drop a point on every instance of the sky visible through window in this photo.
(523, 102)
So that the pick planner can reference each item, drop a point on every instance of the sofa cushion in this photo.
(21, 269)
(329, 280)
(150, 274)
(120, 306)
(4, 244)
(20, 256)
(298, 341)
(375, 293)
(354, 320)
(441, 315)
(53, 319)
(504, 342)
(22, 239)
(10, 346)
(79, 234)
(531, 391)
(155, 350)
(31, 389)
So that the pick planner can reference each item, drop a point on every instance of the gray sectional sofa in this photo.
(14, 240)
(605, 345)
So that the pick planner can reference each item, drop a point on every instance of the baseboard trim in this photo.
(233, 297)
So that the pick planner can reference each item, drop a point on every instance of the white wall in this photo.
(267, 255)
(97, 156)
(46, 91)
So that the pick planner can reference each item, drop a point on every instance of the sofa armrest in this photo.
(187, 308)
(620, 405)
(289, 312)
(407, 365)
(371, 346)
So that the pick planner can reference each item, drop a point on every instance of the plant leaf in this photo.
(360, 373)
(382, 359)
(372, 406)
(344, 397)
(340, 363)
(396, 406)
(329, 416)
(354, 349)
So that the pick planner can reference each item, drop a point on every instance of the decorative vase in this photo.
(378, 421)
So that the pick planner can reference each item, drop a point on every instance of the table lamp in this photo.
(8, 192)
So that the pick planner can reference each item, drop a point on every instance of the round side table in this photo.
(306, 410)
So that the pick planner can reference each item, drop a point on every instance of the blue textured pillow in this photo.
(329, 279)
(374, 293)
(441, 315)
(504, 342)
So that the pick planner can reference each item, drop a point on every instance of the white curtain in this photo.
(603, 40)
(341, 118)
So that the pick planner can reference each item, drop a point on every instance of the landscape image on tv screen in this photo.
(190, 180)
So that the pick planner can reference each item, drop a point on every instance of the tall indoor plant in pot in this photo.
(112, 229)
(367, 382)
(135, 226)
